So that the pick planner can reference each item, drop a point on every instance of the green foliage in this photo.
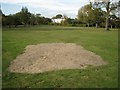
(94, 14)
(58, 16)
(82, 25)
(24, 17)
(114, 21)
(110, 6)
(32, 19)
(90, 16)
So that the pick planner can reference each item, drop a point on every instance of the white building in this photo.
(58, 20)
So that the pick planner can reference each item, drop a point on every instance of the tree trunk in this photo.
(96, 25)
(107, 16)
(111, 26)
(88, 24)
(106, 24)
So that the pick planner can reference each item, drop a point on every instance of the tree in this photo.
(1, 17)
(108, 5)
(32, 19)
(65, 21)
(9, 20)
(85, 14)
(24, 16)
(112, 21)
(97, 16)
(4, 21)
(38, 19)
(47, 21)
(16, 20)
(57, 16)
(81, 15)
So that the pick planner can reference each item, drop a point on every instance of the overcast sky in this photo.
(47, 8)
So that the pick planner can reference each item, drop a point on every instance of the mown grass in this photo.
(103, 43)
(0, 57)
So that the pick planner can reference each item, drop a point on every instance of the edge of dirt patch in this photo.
(54, 56)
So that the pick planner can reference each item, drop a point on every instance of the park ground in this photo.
(97, 40)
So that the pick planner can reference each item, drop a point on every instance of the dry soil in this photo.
(54, 56)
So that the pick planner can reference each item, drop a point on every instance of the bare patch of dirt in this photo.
(54, 56)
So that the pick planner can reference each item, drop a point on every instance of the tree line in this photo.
(100, 14)
(24, 17)
(90, 15)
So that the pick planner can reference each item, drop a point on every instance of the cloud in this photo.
(68, 7)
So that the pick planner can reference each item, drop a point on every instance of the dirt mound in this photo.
(54, 56)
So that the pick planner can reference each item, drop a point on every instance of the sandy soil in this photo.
(54, 56)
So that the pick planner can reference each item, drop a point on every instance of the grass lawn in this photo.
(103, 43)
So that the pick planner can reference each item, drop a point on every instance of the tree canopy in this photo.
(24, 17)
(109, 6)
(99, 13)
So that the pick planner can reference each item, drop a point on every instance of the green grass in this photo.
(103, 43)
(0, 57)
